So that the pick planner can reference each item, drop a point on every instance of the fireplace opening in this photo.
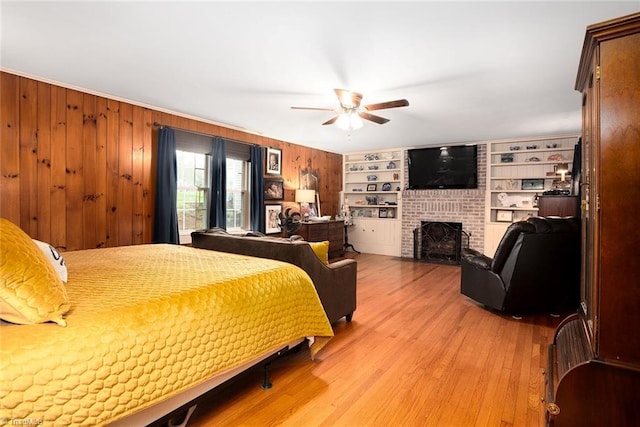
(441, 242)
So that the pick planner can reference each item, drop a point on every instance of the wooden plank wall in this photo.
(78, 171)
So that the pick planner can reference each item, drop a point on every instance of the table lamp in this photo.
(304, 197)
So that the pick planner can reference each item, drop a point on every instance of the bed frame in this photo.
(183, 405)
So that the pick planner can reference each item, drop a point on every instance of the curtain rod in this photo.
(160, 125)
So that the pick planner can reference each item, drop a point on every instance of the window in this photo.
(194, 178)
(193, 191)
(238, 194)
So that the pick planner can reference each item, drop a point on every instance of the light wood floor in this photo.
(418, 353)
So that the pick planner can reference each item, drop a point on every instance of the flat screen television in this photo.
(449, 167)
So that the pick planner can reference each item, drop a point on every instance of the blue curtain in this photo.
(165, 227)
(257, 197)
(218, 200)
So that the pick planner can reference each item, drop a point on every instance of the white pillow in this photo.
(55, 258)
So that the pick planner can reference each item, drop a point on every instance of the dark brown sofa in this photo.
(335, 282)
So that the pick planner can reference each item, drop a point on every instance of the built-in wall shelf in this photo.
(517, 171)
(372, 189)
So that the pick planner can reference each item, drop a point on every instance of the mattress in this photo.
(146, 323)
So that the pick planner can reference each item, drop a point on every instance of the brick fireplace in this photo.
(440, 242)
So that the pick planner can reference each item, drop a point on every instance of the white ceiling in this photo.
(471, 71)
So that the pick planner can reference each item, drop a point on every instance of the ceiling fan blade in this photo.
(388, 104)
(312, 108)
(331, 121)
(377, 119)
(348, 99)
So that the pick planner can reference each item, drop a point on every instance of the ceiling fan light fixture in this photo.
(349, 120)
(350, 114)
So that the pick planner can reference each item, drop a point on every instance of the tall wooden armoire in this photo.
(594, 362)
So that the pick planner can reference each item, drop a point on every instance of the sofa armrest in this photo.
(476, 259)
(341, 263)
(481, 284)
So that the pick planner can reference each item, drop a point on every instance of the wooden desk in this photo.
(318, 231)
(558, 206)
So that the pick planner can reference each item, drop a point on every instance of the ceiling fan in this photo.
(350, 112)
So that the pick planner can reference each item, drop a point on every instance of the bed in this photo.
(151, 324)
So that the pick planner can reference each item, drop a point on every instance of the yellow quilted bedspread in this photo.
(147, 322)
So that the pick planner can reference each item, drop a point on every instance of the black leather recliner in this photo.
(536, 268)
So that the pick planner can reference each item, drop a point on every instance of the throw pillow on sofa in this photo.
(321, 249)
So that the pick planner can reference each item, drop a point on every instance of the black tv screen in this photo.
(443, 167)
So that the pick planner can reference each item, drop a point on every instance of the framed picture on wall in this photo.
(273, 189)
(272, 218)
(273, 161)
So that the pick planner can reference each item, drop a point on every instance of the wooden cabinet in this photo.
(557, 206)
(594, 362)
(375, 237)
(373, 184)
(319, 231)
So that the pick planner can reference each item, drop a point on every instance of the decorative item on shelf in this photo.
(510, 184)
(532, 147)
(396, 176)
(532, 184)
(398, 188)
(372, 177)
(371, 156)
(391, 213)
(386, 186)
(353, 168)
(514, 201)
(382, 213)
(371, 200)
(504, 216)
(373, 167)
(514, 148)
(372, 187)
(555, 158)
(357, 189)
(551, 145)
(391, 165)
(533, 159)
(506, 158)
(345, 212)
(498, 187)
